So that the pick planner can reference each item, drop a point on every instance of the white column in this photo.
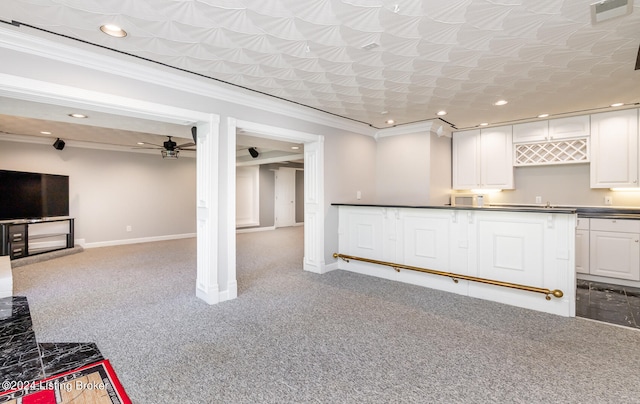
(314, 206)
(207, 211)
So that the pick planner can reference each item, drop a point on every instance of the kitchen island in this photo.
(522, 256)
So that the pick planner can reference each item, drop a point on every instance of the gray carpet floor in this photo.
(294, 336)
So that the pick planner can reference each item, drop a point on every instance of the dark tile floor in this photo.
(608, 303)
(23, 359)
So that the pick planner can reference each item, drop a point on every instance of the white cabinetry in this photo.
(553, 130)
(567, 128)
(614, 149)
(530, 132)
(615, 248)
(483, 159)
(582, 245)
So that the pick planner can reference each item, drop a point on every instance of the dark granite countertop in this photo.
(582, 211)
(609, 213)
(500, 208)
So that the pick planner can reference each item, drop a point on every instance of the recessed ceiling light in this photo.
(295, 148)
(500, 102)
(390, 121)
(484, 124)
(543, 115)
(113, 30)
(78, 116)
(441, 113)
(617, 104)
(44, 132)
(141, 143)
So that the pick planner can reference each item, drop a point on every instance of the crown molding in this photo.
(435, 126)
(11, 38)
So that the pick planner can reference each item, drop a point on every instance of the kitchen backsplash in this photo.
(566, 184)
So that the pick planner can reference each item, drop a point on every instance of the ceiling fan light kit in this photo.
(170, 154)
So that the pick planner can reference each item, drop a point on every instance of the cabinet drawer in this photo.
(617, 225)
(16, 251)
(582, 223)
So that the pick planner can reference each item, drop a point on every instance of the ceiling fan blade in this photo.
(638, 60)
(152, 144)
(180, 148)
(186, 145)
(149, 148)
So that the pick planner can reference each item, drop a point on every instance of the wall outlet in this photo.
(128, 228)
(538, 199)
(608, 200)
(358, 195)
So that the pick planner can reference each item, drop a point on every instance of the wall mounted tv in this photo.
(26, 195)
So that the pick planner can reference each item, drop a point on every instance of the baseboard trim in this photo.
(138, 240)
(252, 230)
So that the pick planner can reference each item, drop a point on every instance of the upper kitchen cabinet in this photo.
(614, 149)
(483, 159)
(569, 128)
(530, 132)
(553, 130)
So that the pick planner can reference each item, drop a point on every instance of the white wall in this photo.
(441, 171)
(110, 190)
(413, 169)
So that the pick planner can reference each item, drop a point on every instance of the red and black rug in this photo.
(96, 383)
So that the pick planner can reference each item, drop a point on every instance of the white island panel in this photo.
(535, 249)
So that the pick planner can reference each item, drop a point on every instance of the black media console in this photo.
(23, 238)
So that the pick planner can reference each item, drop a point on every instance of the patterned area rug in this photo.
(93, 384)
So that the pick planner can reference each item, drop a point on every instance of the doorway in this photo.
(285, 198)
(313, 158)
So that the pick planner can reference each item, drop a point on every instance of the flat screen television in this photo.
(25, 195)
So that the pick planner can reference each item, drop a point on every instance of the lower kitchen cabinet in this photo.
(582, 245)
(614, 248)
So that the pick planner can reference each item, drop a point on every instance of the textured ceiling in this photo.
(543, 56)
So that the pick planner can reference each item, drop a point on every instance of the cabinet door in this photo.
(531, 132)
(466, 159)
(582, 251)
(497, 158)
(614, 149)
(571, 127)
(615, 255)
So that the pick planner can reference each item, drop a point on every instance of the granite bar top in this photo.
(595, 212)
(495, 208)
(609, 213)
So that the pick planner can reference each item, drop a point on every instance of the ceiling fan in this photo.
(169, 149)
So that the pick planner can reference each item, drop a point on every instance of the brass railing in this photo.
(455, 277)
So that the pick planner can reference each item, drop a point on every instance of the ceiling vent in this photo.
(370, 46)
(608, 9)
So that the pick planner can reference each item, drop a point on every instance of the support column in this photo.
(207, 210)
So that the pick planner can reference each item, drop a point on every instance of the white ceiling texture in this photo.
(375, 60)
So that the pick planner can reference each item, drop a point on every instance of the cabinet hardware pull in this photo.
(17, 250)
